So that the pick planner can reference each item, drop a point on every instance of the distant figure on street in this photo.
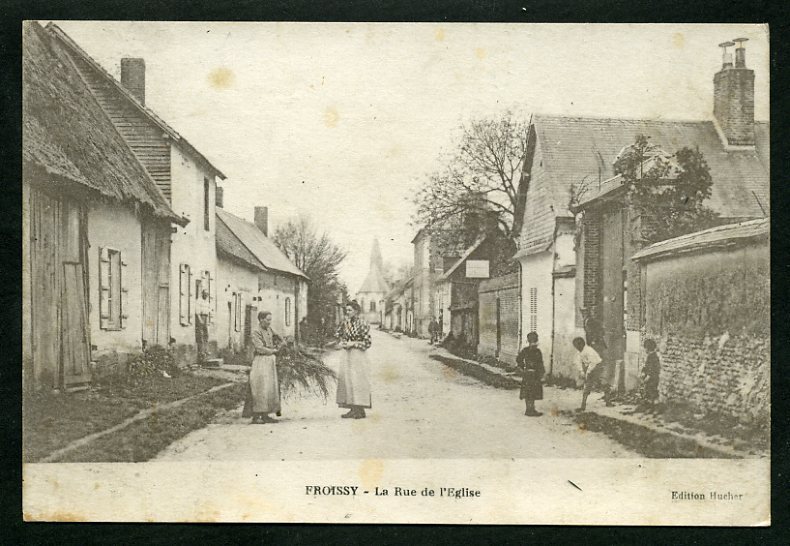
(531, 360)
(202, 315)
(588, 363)
(650, 373)
(264, 387)
(434, 331)
(353, 382)
(595, 338)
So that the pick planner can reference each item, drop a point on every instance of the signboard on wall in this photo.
(477, 269)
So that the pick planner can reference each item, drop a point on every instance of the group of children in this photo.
(591, 368)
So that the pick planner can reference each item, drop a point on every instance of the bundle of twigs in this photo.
(297, 369)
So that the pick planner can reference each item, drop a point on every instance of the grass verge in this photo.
(52, 421)
(143, 439)
(478, 372)
(646, 441)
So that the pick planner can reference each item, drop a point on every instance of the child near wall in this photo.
(650, 374)
(588, 363)
(531, 360)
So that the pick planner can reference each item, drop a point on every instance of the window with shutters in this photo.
(185, 294)
(372, 305)
(287, 311)
(113, 297)
(533, 309)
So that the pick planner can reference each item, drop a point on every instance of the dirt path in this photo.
(421, 409)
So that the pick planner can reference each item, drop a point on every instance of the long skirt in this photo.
(264, 388)
(353, 382)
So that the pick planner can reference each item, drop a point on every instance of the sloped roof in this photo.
(574, 149)
(147, 112)
(260, 247)
(465, 256)
(577, 147)
(399, 288)
(230, 246)
(67, 134)
(718, 236)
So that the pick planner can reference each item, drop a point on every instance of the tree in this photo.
(667, 190)
(319, 258)
(478, 189)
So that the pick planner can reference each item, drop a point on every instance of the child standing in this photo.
(589, 364)
(531, 360)
(651, 372)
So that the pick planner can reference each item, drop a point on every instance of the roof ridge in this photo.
(61, 34)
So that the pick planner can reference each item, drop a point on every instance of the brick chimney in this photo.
(733, 96)
(133, 77)
(262, 219)
(219, 197)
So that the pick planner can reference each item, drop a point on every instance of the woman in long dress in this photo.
(353, 382)
(264, 386)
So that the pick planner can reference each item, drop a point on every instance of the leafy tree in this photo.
(668, 191)
(319, 258)
(478, 189)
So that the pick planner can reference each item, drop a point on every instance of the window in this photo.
(533, 309)
(287, 311)
(113, 290)
(206, 203)
(185, 294)
(372, 305)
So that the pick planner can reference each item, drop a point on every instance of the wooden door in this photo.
(612, 284)
(74, 326)
(156, 282)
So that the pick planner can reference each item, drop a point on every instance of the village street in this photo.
(421, 409)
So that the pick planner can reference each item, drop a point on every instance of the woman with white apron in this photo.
(264, 386)
(353, 382)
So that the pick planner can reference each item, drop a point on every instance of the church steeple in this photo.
(375, 257)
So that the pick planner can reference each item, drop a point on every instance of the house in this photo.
(374, 289)
(456, 290)
(185, 177)
(422, 284)
(706, 300)
(96, 228)
(254, 275)
(398, 303)
(565, 152)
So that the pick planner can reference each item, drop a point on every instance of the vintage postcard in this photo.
(396, 273)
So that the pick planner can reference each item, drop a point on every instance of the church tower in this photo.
(372, 292)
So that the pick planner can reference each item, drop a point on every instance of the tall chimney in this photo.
(219, 197)
(733, 97)
(133, 77)
(262, 219)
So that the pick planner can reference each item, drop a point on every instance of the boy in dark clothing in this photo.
(531, 360)
(650, 373)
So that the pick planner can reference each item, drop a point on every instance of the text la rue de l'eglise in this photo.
(354, 490)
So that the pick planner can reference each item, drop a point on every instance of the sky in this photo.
(344, 122)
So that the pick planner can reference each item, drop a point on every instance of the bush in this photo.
(151, 362)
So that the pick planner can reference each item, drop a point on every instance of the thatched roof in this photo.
(67, 135)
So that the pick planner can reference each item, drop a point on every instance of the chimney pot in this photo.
(219, 197)
(133, 77)
(262, 219)
(733, 97)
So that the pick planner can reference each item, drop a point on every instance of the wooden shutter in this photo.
(183, 294)
(124, 307)
(211, 302)
(104, 289)
(190, 312)
(238, 319)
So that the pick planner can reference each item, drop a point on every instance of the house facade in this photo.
(185, 177)
(254, 276)
(398, 305)
(566, 153)
(96, 228)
